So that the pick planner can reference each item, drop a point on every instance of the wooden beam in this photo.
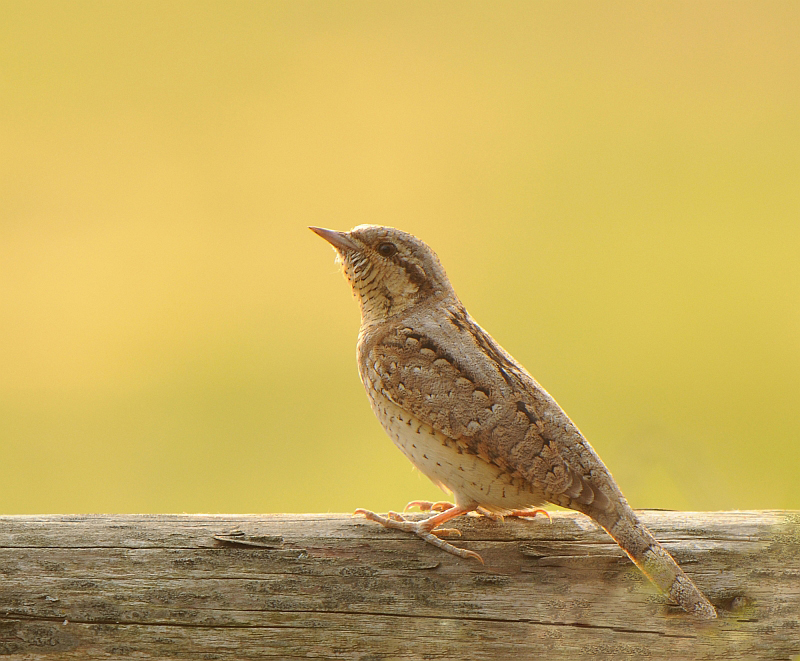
(333, 586)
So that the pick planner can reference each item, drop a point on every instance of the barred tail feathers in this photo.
(653, 559)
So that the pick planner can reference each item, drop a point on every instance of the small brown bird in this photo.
(470, 417)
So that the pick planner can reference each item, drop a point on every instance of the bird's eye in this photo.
(387, 249)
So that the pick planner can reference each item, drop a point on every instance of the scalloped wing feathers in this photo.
(506, 420)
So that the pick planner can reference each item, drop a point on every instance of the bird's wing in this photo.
(474, 397)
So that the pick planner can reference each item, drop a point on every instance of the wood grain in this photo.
(333, 586)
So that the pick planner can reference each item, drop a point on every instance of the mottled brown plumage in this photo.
(468, 415)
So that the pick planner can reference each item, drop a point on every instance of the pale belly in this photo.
(472, 480)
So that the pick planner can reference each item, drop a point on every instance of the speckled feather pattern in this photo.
(467, 414)
(436, 367)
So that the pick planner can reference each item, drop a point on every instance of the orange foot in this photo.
(428, 505)
(425, 528)
(529, 513)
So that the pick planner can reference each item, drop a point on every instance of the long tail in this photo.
(654, 560)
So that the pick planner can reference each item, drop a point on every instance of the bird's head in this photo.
(389, 270)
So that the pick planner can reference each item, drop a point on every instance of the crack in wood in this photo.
(157, 623)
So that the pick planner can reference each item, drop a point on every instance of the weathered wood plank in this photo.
(338, 587)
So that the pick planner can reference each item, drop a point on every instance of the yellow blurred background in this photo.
(613, 188)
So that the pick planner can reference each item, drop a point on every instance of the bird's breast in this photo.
(446, 462)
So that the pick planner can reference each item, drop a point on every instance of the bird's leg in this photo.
(424, 528)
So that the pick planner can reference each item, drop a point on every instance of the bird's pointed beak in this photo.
(339, 240)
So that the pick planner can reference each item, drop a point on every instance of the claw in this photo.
(427, 505)
(472, 554)
(447, 532)
(490, 515)
(530, 513)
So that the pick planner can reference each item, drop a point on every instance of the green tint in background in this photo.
(613, 188)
